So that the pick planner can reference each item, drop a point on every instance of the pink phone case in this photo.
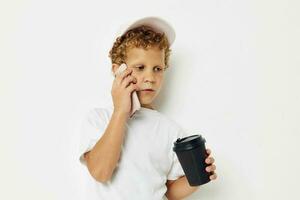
(135, 100)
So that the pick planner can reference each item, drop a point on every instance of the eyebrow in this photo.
(135, 65)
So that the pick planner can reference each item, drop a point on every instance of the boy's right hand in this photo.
(122, 88)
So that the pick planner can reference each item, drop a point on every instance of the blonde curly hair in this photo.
(140, 37)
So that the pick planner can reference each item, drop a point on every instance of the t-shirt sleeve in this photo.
(92, 128)
(176, 170)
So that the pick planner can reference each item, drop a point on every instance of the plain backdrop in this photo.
(234, 78)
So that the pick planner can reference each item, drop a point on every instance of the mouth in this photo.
(147, 90)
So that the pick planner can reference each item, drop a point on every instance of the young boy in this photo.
(131, 158)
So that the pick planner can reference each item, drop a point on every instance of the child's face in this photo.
(148, 68)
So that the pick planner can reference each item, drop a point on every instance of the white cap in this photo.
(158, 24)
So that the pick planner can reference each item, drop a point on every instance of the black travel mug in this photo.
(191, 153)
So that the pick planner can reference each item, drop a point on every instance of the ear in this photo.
(115, 67)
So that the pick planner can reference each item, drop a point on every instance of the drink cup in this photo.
(191, 153)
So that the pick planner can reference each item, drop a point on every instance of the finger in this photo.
(208, 151)
(209, 160)
(120, 74)
(127, 80)
(123, 74)
(131, 88)
(211, 168)
(213, 177)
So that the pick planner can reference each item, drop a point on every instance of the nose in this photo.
(149, 77)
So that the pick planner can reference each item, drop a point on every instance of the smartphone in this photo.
(134, 98)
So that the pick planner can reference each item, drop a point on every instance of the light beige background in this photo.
(234, 79)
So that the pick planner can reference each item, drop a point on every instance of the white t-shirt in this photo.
(147, 159)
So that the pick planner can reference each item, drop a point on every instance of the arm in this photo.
(179, 189)
(103, 158)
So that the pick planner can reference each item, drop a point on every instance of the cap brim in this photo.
(159, 25)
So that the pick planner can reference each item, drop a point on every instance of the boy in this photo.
(131, 158)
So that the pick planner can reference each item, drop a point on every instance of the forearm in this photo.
(180, 189)
(105, 155)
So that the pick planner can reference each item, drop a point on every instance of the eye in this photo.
(158, 68)
(140, 67)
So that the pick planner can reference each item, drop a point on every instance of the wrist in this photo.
(120, 114)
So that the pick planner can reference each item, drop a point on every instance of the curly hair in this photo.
(140, 37)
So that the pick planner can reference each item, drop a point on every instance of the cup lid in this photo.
(189, 142)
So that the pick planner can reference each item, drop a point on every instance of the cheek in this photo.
(160, 80)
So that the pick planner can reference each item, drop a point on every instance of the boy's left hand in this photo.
(211, 168)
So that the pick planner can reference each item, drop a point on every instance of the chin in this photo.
(145, 101)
